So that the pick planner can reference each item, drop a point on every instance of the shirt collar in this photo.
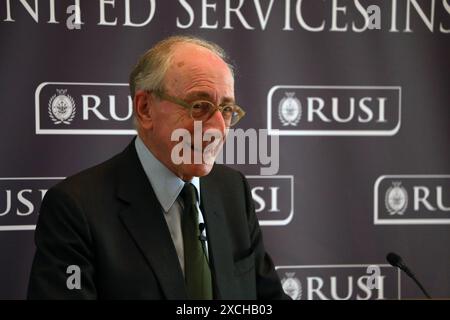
(166, 185)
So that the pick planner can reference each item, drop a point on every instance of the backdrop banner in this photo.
(346, 135)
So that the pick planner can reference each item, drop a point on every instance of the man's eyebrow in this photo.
(198, 95)
(207, 96)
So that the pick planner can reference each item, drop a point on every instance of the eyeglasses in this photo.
(202, 110)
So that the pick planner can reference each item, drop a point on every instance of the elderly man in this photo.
(143, 226)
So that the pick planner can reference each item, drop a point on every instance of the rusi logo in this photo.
(83, 108)
(412, 199)
(333, 110)
(61, 107)
(340, 282)
(20, 199)
(274, 199)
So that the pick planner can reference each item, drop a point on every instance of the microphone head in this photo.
(394, 259)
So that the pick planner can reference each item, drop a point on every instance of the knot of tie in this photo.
(189, 194)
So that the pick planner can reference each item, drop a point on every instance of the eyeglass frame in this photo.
(162, 95)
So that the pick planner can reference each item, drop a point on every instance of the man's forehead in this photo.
(188, 55)
(194, 66)
(186, 49)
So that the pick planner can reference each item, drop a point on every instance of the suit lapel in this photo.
(144, 220)
(219, 246)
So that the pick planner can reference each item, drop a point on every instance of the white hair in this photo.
(149, 72)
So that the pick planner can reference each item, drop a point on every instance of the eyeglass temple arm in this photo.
(164, 96)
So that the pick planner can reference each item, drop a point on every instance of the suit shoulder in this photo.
(93, 179)
(223, 172)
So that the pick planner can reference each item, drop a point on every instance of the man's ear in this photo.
(143, 101)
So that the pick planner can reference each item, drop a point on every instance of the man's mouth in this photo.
(209, 146)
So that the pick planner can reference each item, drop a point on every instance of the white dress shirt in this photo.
(167, 187)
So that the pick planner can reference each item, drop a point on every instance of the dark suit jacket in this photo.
(108, 221)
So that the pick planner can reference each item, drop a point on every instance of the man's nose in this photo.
(216, 121)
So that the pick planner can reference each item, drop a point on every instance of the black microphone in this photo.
(396, 261)
(201, 227)
(203, 239)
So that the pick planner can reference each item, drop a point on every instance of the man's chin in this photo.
(188, 171)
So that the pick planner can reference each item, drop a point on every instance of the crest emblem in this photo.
(292, 286)
(396, 199)
(61, 107)
(289, 110)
